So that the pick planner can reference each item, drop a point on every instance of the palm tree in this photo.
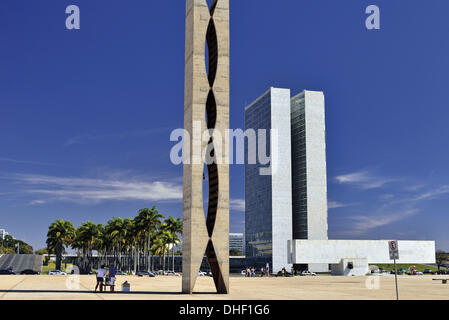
(157, 248)
(440, 257)
(147, 221)
(86, 238)
(127, 239)
(174, 226)
(114, 229)
(135, 234)
(166, 237)
(60, 234)
(101, 243)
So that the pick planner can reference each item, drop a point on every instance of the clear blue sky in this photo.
(85, 116)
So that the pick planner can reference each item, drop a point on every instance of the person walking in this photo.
(111, 275)
(267, 270)
(100, 278)
(253, 272)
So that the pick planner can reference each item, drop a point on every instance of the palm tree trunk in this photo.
(138, 258)
(135, 260)
(148, 250)
(173, 253)
(120, 255)
(58, 256)
(163, 254)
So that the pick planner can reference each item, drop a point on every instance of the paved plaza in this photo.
(165, 288)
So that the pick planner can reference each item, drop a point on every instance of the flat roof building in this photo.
(301, 169)
(286, 220)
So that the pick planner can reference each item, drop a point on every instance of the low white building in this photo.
(352, 257)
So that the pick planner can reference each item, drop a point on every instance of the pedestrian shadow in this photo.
(106, 292)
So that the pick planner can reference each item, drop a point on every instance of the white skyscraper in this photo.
(309, 169)
(269, 197)
(292, 202)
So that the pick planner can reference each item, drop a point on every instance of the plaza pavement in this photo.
(44, 287)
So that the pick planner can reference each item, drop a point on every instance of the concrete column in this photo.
(206, 107)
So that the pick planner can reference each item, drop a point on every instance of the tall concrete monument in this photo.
(206, 108)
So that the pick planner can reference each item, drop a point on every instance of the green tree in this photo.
(119, 232)
(60, 234)
(42, 251)
(441, 257)
(174, 226)
(167, 238)
(147, 221)
(86, 237)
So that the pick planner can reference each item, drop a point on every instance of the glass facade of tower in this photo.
(258, 189)
(299, 167)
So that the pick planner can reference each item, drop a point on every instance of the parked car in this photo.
(121, 273)
(286, 274)
(7, 272)
(30, 272)
(56, 273)
(143, 274)
(419, 273)
(428, 271)
(308, 273)
(400, 272)
(172, 274)
(243, 272)
(202, 273)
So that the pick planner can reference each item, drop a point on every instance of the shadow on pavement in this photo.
(105, 292)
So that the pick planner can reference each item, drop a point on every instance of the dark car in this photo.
(142, 273)
(428, 271)
(29, 271)
(286, 274)
(145, 273)
(7, 272)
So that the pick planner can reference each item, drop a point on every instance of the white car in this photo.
(173, 274)
(202, 273)
(308, 273)
(56, 273)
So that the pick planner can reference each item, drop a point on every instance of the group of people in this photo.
(106, 278)
(251, 272)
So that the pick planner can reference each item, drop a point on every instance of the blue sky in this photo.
(86, 115)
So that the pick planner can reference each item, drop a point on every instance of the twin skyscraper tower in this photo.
(291, 203)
